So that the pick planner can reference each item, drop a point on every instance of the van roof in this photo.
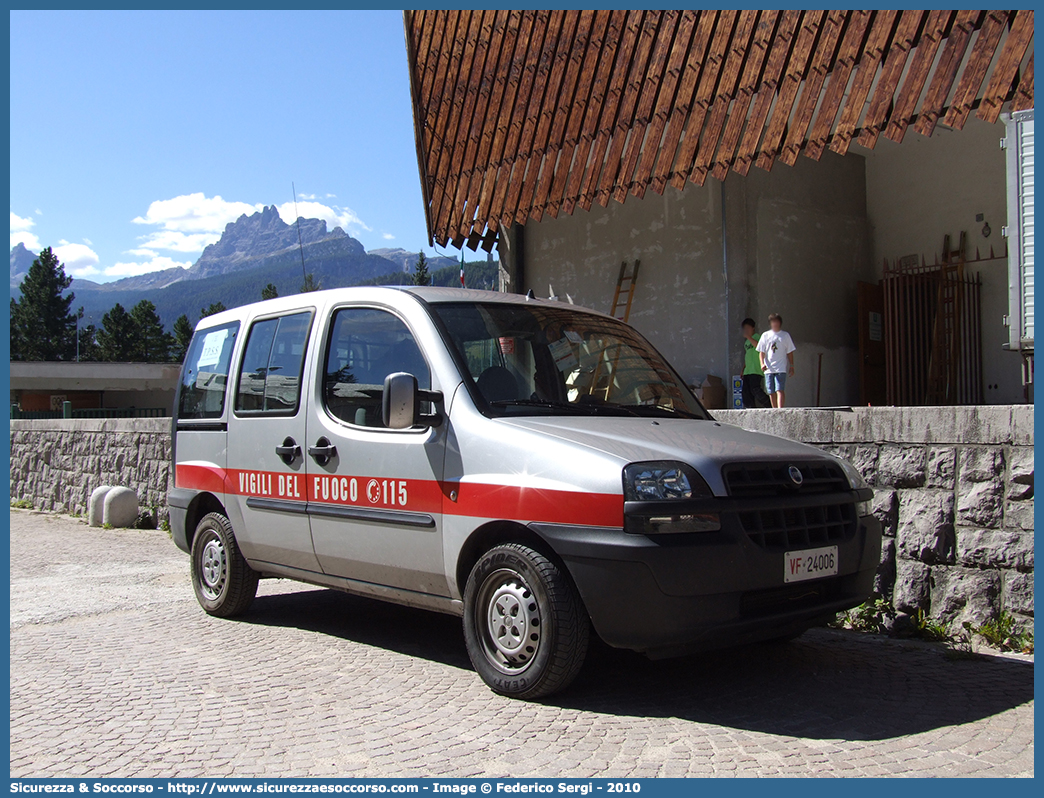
(426, 293)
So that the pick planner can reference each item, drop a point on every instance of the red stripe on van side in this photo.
(538, 504)
(474, 500)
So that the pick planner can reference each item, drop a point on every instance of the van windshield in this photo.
(540, 360)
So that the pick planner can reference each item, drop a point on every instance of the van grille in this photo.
(773, 479)
(790, 528)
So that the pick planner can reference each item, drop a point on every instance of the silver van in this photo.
(534, 467)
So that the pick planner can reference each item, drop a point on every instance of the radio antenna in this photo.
(300, 241)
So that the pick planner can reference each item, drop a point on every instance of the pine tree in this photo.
(116, 337)
(269, 291)
(421, 275)
(215, 307)
(310, 284)
(89, 350)
(42, 328)
(182, 338)
(151, 342)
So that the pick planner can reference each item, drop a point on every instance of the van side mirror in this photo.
(402, 400)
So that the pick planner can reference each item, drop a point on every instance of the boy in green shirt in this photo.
(753, 380)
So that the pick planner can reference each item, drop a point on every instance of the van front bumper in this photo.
(672, 593)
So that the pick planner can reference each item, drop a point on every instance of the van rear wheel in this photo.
(223, 582)
(524, 623)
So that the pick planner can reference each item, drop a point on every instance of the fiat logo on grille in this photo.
(796, 476)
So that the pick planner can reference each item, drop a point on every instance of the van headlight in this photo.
(657, 482)
(666, 481)
(856, 482)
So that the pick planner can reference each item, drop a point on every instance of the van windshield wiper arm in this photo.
(573, 407)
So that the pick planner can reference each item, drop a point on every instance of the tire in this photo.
(541, 653)
(223, 582)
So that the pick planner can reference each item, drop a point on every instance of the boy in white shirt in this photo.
(776, 349)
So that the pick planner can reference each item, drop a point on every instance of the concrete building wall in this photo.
(921, 190)
(796, 243)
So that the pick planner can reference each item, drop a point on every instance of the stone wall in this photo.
(954, 489)
(56, 463)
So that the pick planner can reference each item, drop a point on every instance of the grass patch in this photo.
(21, 504)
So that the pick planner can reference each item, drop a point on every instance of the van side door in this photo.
(375, 494)
(266, 442)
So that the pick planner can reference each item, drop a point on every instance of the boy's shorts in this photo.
(775, 381)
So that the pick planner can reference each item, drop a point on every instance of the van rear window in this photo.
(204, 375)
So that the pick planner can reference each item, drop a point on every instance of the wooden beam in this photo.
(669, 96)
(910, 23)
(873, 52)
(822, 61)
(844, 64)
(683, 103)
(1023, 99)
(650, 91)
(905, 108)
(974, 74)
(946, 71)
(1005, 73)
(777, 59)
(797, 66)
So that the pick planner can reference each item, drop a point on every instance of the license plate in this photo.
(810, 564)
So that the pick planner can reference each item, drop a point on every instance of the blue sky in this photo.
(136, 136)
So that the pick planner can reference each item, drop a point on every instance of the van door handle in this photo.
(288, 451)
(322, 451)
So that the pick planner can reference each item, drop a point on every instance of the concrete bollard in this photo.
(120, 508)
(96, 505)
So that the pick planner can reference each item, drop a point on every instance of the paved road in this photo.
(115, 671)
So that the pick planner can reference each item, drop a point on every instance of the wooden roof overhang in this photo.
(518, 114)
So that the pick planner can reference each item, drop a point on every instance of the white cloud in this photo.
(190, 222)
(334, 216)
(142, 253)
(388, 237)
(156, 264)
(307, 196)
(62, 242)
(38, 212)
(88, 242)
(79, 259)
(21, 233)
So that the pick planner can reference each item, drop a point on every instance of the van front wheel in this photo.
(224, 584)
(524, 623)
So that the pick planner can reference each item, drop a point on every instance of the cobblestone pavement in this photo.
(115, 671)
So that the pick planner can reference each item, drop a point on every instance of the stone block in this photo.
(1020, 472)
(980, 504)
(120, 508)
(981, 464)
(941, 468)
(96, 505)
(886, 510)
(1018, 592)
(884, 579)
(1021, 425)
(925, 530)
(985, 424)
(964, 594)
(1019, 515)
(901, 466)
(989, 548)
(912, 589)
(864, 458)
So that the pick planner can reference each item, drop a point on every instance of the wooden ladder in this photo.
(623, 297)
(946, 341)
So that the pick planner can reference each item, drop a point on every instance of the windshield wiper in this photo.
(660, 410)
(573, 407)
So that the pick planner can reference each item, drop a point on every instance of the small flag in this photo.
(462, 268)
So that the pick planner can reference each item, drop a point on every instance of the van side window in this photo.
(366, 345)
(204, 374)
(270, 374)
